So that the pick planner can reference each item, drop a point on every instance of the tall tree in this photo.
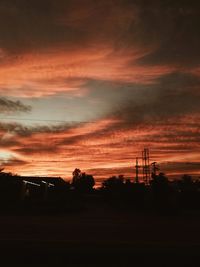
(82, 181)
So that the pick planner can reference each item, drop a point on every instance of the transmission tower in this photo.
(145, 165)
(137, 171)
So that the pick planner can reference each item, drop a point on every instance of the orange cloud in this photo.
(65, 71)
(101, 146)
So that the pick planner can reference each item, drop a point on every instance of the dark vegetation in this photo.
(37, 195)
(48, 220)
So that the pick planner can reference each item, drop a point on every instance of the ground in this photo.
(100, 237)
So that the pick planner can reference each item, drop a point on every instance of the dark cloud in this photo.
(8, 142)
(41, 24)
(170, 97)
(27, 25)
(171, 29)
(13, 162)
(182, 167)
(165, 100)
(37, 148)
(12, 107)
(167, 30)
(26, 131)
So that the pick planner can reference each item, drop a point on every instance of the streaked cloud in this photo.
(8, 106)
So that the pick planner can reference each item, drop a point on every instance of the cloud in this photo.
(124, 66)
(100, 146)
(178, 169)
(12, 107)
(163, 32)
(171, 30)
(20, 130)
(170, 97)
(34, 148)
(11, 161)
(36, 24)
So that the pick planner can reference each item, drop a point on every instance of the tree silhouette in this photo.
(114, 183)
(76, 175)
(81, 181)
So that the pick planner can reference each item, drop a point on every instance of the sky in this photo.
(90, 84)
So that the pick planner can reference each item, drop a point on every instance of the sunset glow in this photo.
(89, 84)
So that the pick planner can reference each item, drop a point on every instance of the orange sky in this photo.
(89, 84)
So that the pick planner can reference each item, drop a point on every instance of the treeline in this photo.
(116, 192)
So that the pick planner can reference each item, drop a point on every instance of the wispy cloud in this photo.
(8, 106)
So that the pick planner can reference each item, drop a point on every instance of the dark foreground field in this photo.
(100, 238)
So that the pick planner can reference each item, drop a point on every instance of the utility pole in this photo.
(145, 165)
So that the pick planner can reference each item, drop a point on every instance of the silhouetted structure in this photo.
(145, 165)
(28, 187)
(137, 171)
(48, 194)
